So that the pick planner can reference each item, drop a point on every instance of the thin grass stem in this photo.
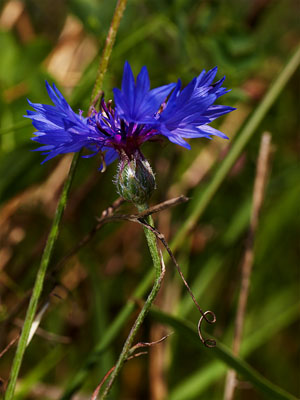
(203, 198)
(39, 282)
(221, 352)
(110, 40)
(17, 126)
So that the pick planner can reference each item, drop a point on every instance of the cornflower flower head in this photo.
(139, 115)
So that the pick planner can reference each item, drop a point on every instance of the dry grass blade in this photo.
(258, 195)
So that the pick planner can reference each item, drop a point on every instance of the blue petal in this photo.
(216, 111)
(188, 111)
(135, 102)
(59, 129)
(209, 130)
(128, 84)
(208, 78)
(174, 138)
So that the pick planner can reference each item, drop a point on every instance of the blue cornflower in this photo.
(139, 115)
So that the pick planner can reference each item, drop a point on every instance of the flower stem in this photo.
(159, 272)
(39, 282)
(110, 40)
(38, 286)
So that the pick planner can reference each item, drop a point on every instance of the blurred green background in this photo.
(250, 42)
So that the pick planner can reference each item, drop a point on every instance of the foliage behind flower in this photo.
(139, 115)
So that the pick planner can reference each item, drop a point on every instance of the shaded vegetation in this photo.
(251, 42)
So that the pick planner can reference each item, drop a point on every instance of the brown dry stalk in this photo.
(10, 344)
(262, 170)
(108, 216)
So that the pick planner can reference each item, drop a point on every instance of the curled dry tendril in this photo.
(207, 342)
(204, 314)
(108, 216)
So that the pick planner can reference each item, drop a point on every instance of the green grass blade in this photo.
(202, 199)
(110, 40)
(195, 384)
(36, 374)
(17, 126)
(38, 286)
(223, 353)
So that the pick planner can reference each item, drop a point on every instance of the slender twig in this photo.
(105, 217)
(108, 216)
(50, 336)
(149, 344)
(10, 344)
(38, 286)
(130, 357)
(162, 206)
(258, 194)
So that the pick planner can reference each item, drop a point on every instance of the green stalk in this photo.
(202, 201)
(110, 40)
(222, 352)
(39, 282)
(39, 371)
(18, 125)
(151, 241)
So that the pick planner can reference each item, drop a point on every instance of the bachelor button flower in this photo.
(139, 115)
(188, 111)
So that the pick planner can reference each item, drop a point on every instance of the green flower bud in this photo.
(135, 180)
